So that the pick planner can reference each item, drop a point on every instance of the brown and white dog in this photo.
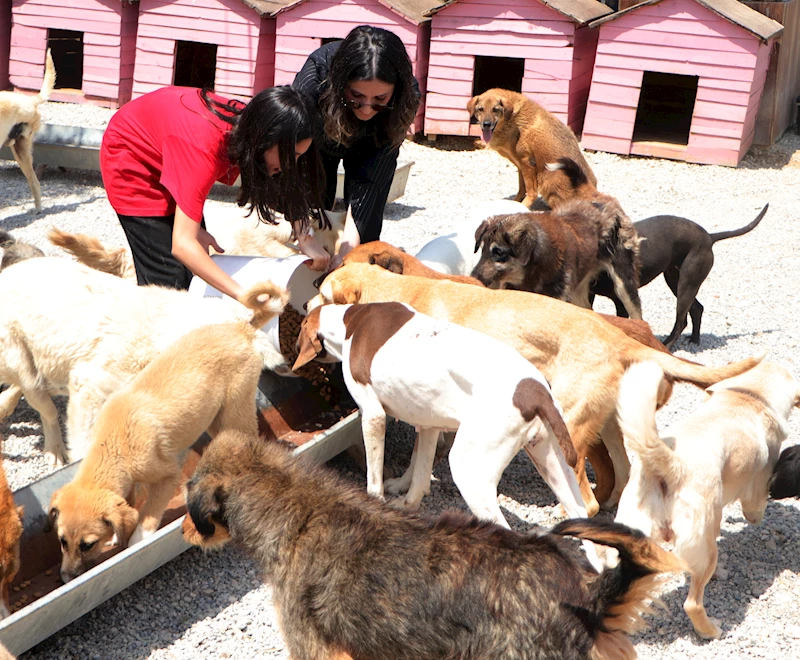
(205, 381)
(19, 122)
(525, 133)
(354, 579)
(560, 253)
(724, 451)
(440, 376)
(582, 356)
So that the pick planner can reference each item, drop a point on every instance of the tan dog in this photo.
(724, 451)
(560, 253)
(19, 122)
(525, 133)
(205, 381)
(582, 356)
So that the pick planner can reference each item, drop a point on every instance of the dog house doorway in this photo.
(66, 48)
(666, 107)
(502, 72)
(195, 64)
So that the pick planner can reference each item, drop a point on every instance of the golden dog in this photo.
(582, 356)
(525, 133)
(19, 122)
(205, 381)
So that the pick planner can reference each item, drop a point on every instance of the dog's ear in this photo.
(480, 232)
(387, 261)
(471, 109)
(206, 507)
(308, 343)
(347, 293)
(122, 518)
(508, 108)
(524, 241)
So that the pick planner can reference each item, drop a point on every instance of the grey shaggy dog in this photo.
(354, 579)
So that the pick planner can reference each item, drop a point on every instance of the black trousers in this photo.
(150, 239)
(368, 174)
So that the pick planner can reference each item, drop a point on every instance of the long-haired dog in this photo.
(724, 451)
(19, 122)
(15, 250)
(560, 253)
(353, 578)
(205, 381)
(10, 534)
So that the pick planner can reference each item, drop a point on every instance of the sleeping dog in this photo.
(355, 579)
(440, 376)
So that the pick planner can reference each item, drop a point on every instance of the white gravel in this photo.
(215, 606)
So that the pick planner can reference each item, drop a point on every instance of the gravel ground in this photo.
(214, 605)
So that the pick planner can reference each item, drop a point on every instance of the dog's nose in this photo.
(487, 124)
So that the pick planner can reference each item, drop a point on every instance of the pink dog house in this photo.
(228, 45)
(92, 43)
(542, 48)
(5, 41)
(679, 79)
(305, 25)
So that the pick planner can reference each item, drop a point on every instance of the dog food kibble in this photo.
(48, 572)
(37, 594)
(16, 588)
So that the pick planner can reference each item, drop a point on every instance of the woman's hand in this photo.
(350, 239)
(310, 246)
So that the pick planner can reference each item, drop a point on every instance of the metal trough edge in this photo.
(49, 614)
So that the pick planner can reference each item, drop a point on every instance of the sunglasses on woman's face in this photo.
(357, 105)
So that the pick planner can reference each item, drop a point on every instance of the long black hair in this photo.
(370, 53)
(275, 116)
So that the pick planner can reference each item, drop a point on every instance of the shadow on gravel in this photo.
(395, 212)
(12, 222)
(709, 341)
(753, 564)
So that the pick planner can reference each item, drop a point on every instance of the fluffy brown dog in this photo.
(10, 535)
(560, 253)
(205, 381)
(353, 578)
(19, 122)
(582, 356)
(525, 133)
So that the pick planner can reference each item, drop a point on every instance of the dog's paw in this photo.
(56, 458)
(720, 573)
(397, 486)
(405, 504)
(712, 631)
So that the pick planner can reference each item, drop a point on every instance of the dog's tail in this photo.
(722, 235)
(49, 80)
(266, 299)
(91, 252)
(785, 481)
(573, 171)
(636, 413)
(621, 595)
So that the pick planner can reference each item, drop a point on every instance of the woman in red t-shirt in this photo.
(162, 153)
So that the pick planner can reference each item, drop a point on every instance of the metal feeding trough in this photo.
(292, 411)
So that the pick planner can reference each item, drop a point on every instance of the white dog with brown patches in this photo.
(439, 376)
(725, 451)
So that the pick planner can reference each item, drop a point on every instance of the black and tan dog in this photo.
(355, 579)
(525, 133)
(560, 253)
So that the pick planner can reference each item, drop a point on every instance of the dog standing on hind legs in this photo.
(19, 122)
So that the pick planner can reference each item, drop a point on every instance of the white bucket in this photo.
(290, 273)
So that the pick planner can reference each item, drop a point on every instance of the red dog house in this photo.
(92, 43)
(228, 45)
(305, 25)
(542, 48)
(679, 79)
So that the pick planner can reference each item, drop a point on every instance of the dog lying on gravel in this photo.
(353, 578)
(726, 450)
(205, 381)
(582, 356)
(69, 329)
(401, 362)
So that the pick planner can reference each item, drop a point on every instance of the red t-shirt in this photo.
(164, 148)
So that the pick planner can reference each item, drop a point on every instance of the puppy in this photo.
(14, 250)
(19, 122)
(10, 534)
(785, 480)
(726, 450)
(681, 250)
(353, 578)
(205, 381)
(582, 356)
(525, 133)
(560, 253)
(439, 376)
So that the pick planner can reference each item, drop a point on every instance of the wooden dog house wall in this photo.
(225, 44)
(304, 25)
(549, 38)
(661, 51)
(5, 41)
(97, 68)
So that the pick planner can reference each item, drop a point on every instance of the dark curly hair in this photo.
(370, 53)
(275, 116)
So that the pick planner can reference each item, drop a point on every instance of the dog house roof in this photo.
(580, 11)
(266, 7)
(412, 10)
(732, 10)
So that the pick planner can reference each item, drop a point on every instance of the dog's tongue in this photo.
(486, 135)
